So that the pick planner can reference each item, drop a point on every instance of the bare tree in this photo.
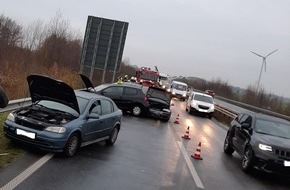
(10, 32)
(33, 35)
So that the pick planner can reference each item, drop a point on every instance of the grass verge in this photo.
(8, 151)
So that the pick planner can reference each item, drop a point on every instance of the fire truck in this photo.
(147, 77)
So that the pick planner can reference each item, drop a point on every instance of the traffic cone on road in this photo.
(177, 119)
(196, 155)
(186, 135)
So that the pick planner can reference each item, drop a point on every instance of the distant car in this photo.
(135, 98)
(200, 103)
(262, 141)
(61, 119)
(210, 92)
(159, 103)
(179, 90)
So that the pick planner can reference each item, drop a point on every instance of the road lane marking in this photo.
(26, 173)
(192, 170)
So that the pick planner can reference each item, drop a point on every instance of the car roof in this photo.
(89, 95)
(127, 84)
(266, 117)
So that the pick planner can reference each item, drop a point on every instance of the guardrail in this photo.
(253, 108)
(229, 113)
(15, 104)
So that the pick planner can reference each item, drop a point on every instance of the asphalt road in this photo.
(148, 154)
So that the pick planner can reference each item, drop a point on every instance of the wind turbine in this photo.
(263, 64)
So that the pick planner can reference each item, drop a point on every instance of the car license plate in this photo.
(25, 133)
(287, 163)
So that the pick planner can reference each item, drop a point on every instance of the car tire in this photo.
(72, 145)
(248, 160)
(113, 137)
(137, 110)
(227, 145)
(209, 116)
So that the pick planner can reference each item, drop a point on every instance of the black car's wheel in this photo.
(227, 146)
(113, 136)
(248, 160)
(72, 145)
(136, 110)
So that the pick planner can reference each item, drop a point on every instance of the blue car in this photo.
(61, 119)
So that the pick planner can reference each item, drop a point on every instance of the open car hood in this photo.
(45, 88)
(159, 93)
(87, 81)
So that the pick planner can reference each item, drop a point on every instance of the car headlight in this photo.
(193, 104)
(265, 147)
(11, 117)
(168, 90)
(173, 92)
(211, 108)
(141, 80)
(56, 129)
(184, 95)
(163, 86)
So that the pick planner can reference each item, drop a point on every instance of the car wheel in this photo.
(209, 116)
(113, 136)
(72, 145)
(227, 146)
(136, 110)
(247, 160)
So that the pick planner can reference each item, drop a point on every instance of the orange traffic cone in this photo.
(177, 119)
(186, 135)
(196, 155)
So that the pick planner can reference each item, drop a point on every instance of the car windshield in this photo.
(57, 106)
(203, 98)
(272, 128)
(82, 104)
(179, 87)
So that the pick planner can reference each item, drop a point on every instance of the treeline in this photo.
(54, 49)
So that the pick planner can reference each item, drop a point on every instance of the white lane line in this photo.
(192, 170)
(26, 173)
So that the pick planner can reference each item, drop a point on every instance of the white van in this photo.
(179, 90)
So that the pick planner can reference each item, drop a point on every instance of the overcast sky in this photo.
(210, 39)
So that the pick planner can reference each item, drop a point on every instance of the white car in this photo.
(200, 103)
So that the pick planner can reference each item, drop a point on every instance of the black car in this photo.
(159, 103)
(127, 96)
(135, 98)
(262, 141)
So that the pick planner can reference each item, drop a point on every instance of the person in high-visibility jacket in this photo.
(120, 80)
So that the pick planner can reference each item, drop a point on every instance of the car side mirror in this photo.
(93, 116)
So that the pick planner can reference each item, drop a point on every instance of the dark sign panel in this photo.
(103, 44)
